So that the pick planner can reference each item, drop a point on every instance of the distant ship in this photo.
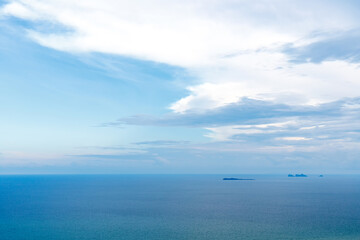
(297, 175)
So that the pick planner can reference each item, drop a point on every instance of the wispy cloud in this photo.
(330, 47)
(294, 138)
(244, 112)
(162, 143)
(264, 124)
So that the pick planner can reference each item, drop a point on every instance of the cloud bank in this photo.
(267, 76)
(235, 49)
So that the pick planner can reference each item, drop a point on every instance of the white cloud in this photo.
(225, 133)
(294, 138)
(19, 10)
(231, 47)
(308, 128)
(257, 77)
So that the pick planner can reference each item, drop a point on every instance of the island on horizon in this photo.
(297, 175)
(238, 179)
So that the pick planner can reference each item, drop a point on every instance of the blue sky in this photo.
(179, 86)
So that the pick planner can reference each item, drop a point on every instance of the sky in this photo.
(155, 86)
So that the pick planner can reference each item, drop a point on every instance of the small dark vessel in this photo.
(321, 175)
(238, 179)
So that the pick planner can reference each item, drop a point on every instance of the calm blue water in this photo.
(178, 207)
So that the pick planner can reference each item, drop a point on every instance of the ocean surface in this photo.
(165, 207)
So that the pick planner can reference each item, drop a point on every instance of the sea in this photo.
(166, 207)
